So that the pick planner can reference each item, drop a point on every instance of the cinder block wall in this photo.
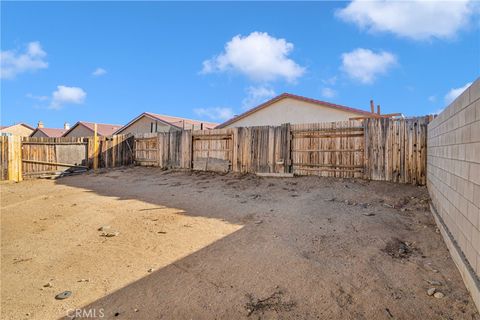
(453, 171)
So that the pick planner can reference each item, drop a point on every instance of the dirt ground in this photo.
(210, 246)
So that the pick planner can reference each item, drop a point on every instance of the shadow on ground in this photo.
(310, 248)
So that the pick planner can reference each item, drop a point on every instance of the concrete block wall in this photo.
(453, 171)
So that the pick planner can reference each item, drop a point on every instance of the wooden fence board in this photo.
(3, 158)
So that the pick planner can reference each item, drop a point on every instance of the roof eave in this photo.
(292, 96)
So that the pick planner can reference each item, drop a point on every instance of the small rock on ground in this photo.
(63, 295)
(110, 234)
(431, 291)
(438, 295)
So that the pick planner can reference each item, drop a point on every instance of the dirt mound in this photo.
(398, 249)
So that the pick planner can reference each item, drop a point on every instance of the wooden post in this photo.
(288, 149)
(95, 148)
(234, 153)
(15, 158)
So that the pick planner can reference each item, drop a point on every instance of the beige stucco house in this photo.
(47, 133)
(290, 108)
(148, 122)
(42, 132)
(19, 129)
(86, 129)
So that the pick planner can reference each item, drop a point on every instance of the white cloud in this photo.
(330, 81)
(415, 19)
(455, 92)
(432, 98)
(13, 62)
(99, 72)
(217, 113)
(328, 92)
(365, 65)
(39, 98)
(65, 95)
(259, 56)
(257, 95)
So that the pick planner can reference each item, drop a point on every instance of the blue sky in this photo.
(109, 61)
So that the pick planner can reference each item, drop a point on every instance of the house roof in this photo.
(103, 129)
(21, 123)
(295, 97)
(177, 122)
(50, 132)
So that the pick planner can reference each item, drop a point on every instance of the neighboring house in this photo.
(47, 133)
(290, 108)
(19, 129)
(86, 129)
(41, 132)
(150, 122)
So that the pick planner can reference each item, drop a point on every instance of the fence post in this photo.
(366, 149)
(160, 149)
(192, 151)
(288, 149)
(15, 158)
(95, 148)
(186, 149)
(235, 147)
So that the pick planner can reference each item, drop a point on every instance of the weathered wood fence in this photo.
(23, 157)
(376, 149)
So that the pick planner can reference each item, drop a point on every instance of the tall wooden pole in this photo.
(14, 158)
(95, 148)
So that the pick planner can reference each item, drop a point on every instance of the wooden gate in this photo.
(263, 149)
(396, 150)
(147, 150)
(213, 150)
(328, 149)
(168, 150)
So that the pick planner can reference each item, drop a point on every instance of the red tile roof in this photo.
(50, 132)
(103, 129)
(296, 97)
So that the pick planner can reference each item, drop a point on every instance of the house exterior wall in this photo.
(80, 131)
(18, 130)
(144, 125)
(292, 111)
(39, 134)
(453, 175)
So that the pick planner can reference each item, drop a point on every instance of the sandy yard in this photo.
(209, 246)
